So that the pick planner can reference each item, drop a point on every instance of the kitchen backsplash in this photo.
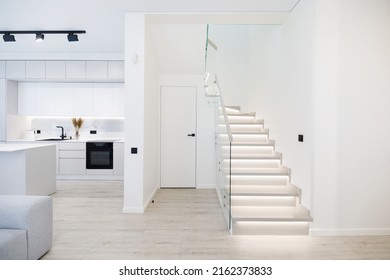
(104, 127)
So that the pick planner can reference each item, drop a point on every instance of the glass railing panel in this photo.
(223, 154)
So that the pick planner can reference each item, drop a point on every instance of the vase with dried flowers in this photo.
(77, 123)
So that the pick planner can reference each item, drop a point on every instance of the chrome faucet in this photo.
(63, 136)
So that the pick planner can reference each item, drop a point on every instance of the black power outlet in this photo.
(300, 138)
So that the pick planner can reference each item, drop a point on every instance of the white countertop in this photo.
(40, 141)
(21, 147)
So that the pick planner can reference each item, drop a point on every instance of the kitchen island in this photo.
(27, 169)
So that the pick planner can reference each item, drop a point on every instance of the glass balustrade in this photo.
(223, 136)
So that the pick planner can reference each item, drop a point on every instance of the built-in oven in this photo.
(100, 155)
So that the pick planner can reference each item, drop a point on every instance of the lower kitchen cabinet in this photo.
(72, 166)
(72, 163)
(72, 158)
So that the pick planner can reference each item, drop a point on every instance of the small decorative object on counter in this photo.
(77, 123)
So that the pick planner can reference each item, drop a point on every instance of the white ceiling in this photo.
(102, 19)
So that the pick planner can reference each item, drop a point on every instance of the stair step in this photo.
(281, 171)
(252, 114)
(246, 127)
(254, 163)
(258, 200)
(254, 190)
(265, 144)
(232, 109)
(271, 213)
(274, 155)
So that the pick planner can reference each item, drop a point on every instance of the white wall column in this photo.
(134, 112)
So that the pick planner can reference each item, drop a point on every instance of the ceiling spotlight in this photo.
(39, 37)
(8, 37)
(72, 37)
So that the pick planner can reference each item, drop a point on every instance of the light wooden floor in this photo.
(181, 224)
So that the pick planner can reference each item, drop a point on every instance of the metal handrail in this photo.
(224, 110)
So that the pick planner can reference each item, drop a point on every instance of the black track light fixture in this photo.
(39, 37)
(72, 37)
(9, 35)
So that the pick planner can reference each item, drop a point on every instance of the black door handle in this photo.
(192, 135)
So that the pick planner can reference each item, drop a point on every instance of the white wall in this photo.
(151, 122)
(3, 102)
(134, 122)
(350, 193)
(364, 112)
(281, 77)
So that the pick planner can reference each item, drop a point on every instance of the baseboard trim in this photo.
(132, 210)
(349, 232)
(205, 187)
(150, 198)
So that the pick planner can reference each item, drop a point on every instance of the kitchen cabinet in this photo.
(35, 70)
(15, 69)
(26, 99)
(2, 69)
(96, 69)
(102, 99)
(44, 99)
(116, 70)
(63, 99)
(119, 158)
(118, 99)
(82, 105)
(71, 99)
(72, 158)
(55, 70)
(75, 70)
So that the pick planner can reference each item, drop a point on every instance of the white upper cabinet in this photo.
(75, 70)
(97, 69)
(83, 99)
(15, 69)
(116, 70)
(26, 99)
(60, 70)
(63, 99)
(2, 69)
(71, 99)
(35, 70)
(102, 99)
(55, 70)
(118, 99)
(44, 99)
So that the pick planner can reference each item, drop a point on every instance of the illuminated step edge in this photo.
(232, 109)
(271, 213)
(281, 171)
(255, 190)
(270, 228)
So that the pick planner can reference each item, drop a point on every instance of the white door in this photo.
(178, 139)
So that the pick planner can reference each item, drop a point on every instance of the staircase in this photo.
(263, 199)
